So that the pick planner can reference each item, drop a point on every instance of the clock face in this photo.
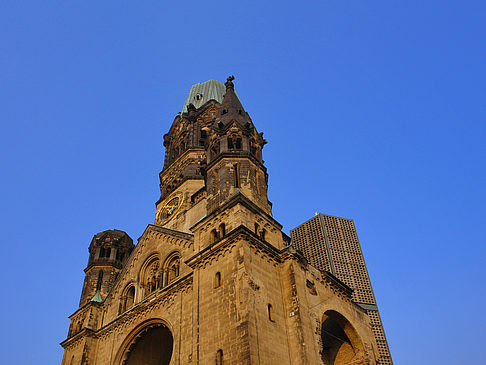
(169, 209)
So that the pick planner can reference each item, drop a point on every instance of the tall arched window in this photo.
(236, 174)
(270, 313)
(219, 357)
(128, 298)
(214, 235)
(217, 280)
(100, 280)
(150, 275)
(171, 268)
(222, 230)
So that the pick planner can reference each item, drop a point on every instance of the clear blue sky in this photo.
(373, 111)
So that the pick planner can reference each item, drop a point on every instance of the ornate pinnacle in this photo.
(229, 82)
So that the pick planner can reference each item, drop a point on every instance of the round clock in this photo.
(169, 209)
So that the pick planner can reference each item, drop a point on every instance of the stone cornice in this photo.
(236, 198)
(170, 232)
(239, 232)
(236, 154)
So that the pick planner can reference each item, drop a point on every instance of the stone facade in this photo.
(214, 280)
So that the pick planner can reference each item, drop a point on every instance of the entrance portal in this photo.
(152, 346)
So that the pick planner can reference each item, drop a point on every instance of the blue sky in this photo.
(373, 111)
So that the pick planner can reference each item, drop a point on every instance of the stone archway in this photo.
(340, 343)
(150, 345)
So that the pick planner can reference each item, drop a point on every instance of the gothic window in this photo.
(238, 144)
(222, 230)
(217, 280)
(257, 228)
(230, 144)
(219, 357)
(102, 252)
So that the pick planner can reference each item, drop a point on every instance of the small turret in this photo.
(108, 252)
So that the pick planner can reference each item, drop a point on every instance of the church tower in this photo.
(214, 280)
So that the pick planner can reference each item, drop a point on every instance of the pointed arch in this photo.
(340, 341)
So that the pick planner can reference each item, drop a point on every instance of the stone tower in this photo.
(214, 280)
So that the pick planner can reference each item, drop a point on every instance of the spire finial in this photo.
(229, 82)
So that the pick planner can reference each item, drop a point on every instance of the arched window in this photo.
(270, 313)
(217, 280)
(128, 299)
(257, 228)
(236, 175)
(100, 280)
(263, 234)
(214, 235)
(171, 268)
(222, 230)
(219, 357)
(150, 275)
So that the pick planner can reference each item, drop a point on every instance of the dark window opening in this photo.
(270, 313)
(214, 235)
(238, 143)
(217, 280)
(236, 176)
(257, 228)
(230, 144)
(222, 230)
(263, 234)
(100, 280)
(219, 357)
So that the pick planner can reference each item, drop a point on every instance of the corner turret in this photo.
(108, 252)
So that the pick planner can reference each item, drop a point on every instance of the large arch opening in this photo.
(151, 346)
(340, 342)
